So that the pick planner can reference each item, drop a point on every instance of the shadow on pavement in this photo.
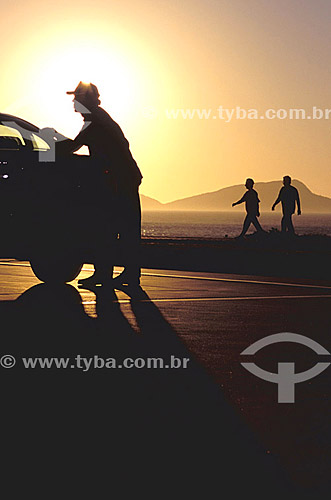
(161, 429)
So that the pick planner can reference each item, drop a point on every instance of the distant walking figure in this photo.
(289, 196)
(252, 201)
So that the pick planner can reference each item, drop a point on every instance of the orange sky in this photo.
(148, 56)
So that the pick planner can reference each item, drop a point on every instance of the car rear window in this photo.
(39, 144)
(10, 138)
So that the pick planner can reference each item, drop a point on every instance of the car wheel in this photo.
(55, 270)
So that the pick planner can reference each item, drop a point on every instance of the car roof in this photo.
(19, 122)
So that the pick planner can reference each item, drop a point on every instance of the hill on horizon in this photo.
(222, 199)
(148, 203)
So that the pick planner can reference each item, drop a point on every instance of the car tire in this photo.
(56, 270)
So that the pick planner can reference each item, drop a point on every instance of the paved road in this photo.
(209, 319)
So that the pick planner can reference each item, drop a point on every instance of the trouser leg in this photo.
(104, 245)
(103, 265)
(256, 223)
(130, 234)
(247, 223)
(289, 223)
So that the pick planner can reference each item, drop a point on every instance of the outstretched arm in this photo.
(277, 201)
(69, 145)
(64, 145)
(239, 201)
(298, 203)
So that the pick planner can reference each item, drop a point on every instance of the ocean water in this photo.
(215, 225)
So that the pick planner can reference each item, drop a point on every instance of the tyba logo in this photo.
(286, 378)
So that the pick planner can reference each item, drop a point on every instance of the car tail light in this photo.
(3, 167)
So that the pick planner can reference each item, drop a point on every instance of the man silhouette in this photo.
(252, 201)
(107, 143)
(289, 196)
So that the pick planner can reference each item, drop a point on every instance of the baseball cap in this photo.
(86, 89)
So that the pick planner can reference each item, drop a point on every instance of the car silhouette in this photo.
(48, 202)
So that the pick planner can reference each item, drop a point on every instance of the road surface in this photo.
(207, 319)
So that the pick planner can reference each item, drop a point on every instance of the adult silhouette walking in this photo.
(289, 197)
(252, 201)
(120, 175)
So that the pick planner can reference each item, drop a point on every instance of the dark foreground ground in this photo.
(212, 429)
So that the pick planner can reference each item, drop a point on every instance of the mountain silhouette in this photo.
(222, 199)
(148, 203)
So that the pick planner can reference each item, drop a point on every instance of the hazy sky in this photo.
(150, 56)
